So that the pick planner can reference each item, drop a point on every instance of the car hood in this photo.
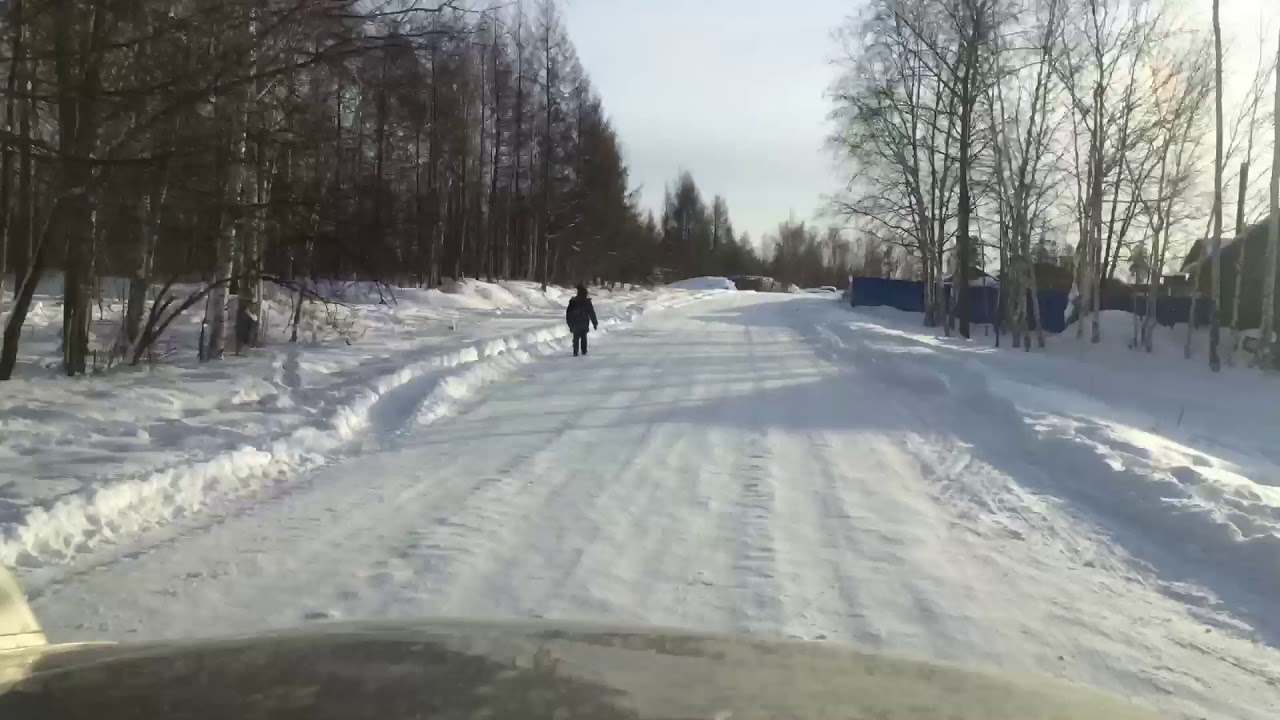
(499, 670)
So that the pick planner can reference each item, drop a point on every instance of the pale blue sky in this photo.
(734, 91)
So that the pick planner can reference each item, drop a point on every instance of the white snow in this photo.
(756, 463)
(101, 459)
(704, 283)
(1184, 456)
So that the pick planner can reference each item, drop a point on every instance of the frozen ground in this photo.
(774, 464)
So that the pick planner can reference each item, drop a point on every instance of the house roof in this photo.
(1198, 254)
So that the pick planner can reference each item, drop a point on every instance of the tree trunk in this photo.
(960, 281)
(1156, 261)
(930, 292)
(23, 294)
(21, 237)
(7, 225)
(547, 152)
(1215, 324)
(1191, 320)
(1153, 284)
(380, 152)
(1034, 286)
(224, 265)
(492, 213)
(77, 74)
(248, 319)
(482, 267)
(1094, 274)
(463, 208)
(518, 146)
(433, 182)
(337, 162)
(140, 281)
(1267, 351)
(417, 203)
(945, 307)
(1242, 249)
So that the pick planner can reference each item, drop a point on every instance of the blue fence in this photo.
(985, 303)
(901, 294)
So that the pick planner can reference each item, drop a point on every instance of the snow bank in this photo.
(1182, 459)
(1112, 324)
(79, 523)
(100, 459)
(1116, 331)
(1181, 497)
(704, 283)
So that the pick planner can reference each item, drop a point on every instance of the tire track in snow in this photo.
(424, 559)
(760, 603)
(826, 543)
(580, 561)
(664, 553)
(838, 524)
(366, 518)
(834, 547)
(457, 540)
(437, 552)
(496, 537)
(621, 545)
(544, 545)
(691, 552)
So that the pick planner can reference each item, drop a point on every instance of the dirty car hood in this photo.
(394, 671)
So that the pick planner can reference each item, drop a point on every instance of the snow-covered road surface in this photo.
(749, 463)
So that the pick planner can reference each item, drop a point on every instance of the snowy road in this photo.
(749, 463)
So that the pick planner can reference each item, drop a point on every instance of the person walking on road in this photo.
(581, 317)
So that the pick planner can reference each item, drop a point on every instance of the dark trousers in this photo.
(580, 343)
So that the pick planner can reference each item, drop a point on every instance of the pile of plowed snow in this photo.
(704, 283)
(1183, 456)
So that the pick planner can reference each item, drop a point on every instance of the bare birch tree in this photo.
(897, 116)
(1022, 132)
(1180, 90)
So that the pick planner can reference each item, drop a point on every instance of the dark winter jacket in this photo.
(580, 315)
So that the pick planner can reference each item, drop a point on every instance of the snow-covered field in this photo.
(759, 463)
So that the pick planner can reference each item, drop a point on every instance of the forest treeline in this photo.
(228, 145)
